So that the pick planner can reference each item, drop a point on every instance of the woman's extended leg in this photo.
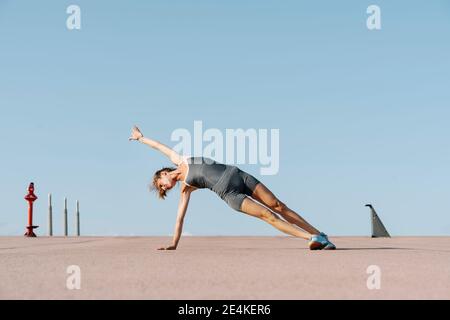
(257, 210)
(267, 198)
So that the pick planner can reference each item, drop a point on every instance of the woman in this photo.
(239, 189)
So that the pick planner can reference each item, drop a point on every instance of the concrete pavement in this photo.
(224, 268)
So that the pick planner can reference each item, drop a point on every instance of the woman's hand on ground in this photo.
(136, 134)
(172, 247)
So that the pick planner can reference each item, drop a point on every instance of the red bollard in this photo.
(30, 197)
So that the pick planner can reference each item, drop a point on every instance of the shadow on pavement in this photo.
(379, 248)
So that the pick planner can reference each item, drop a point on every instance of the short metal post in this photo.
(78, 219)
(50, 216)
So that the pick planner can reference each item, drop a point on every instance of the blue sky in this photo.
(363, 115)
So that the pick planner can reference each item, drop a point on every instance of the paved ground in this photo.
(223, 268)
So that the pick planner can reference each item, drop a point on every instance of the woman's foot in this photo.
(329, 245)
(317, 242)
(320, 242)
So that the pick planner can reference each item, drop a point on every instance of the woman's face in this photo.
(165, 182)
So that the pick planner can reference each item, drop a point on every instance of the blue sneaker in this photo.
(317, 242)
(329, 245)
(321, 242)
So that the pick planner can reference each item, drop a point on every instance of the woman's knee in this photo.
(278, 206)
(268, 216)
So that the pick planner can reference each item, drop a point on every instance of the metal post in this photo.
(378, 228)
(30, 197)
(78, 218)
(65, 218)
(50, 215)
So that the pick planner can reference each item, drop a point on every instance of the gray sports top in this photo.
(204, 172)
(228, 182)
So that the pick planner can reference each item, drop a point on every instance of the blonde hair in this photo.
(162, 194)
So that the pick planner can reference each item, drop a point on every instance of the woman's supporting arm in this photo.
(182, 208)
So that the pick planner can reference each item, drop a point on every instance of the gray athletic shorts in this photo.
(234, 186)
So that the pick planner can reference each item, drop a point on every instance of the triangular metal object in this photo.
(378, 229)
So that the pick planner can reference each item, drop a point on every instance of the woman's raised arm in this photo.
(137, 135)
